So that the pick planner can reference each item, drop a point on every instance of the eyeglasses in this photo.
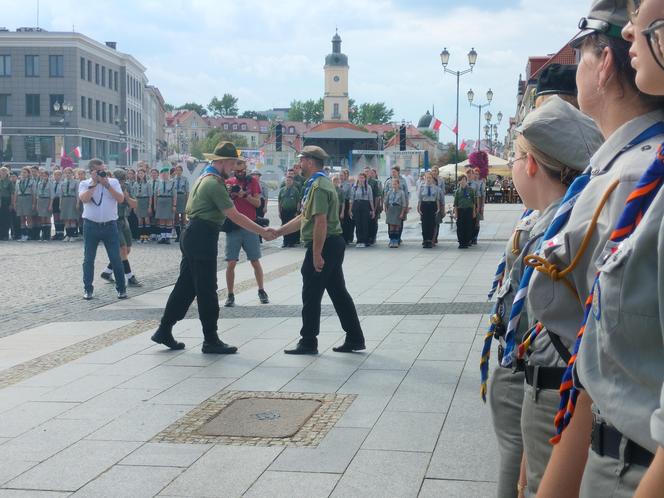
(512, 162)
(633, 9)
(655, 36)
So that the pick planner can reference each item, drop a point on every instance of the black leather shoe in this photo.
(349, 347)
(108, 277)
(166, 338)
(302, 349)
(218, 348)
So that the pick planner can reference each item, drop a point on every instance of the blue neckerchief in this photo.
(308, 185)
(211, 170)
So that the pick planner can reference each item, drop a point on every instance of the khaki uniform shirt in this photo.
(552, 302)
(208, 200)
(464, 198)
(6, 188)
(322, 199)
(621, 360)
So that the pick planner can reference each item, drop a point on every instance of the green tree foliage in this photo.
(226, 106)
(169, 107)
(430, 134)
(252, 115)
(377, 113)
(193, 106)
(449, 155)
(213, 137)
(308, 110)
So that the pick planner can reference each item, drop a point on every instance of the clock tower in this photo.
(336, 84)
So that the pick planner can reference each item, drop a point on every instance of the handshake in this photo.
(270, 233)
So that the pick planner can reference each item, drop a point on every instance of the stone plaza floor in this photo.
(89, 406)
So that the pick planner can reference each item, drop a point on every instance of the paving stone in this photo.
(364, 411)
(371, 471)
(332, 455)
(373, 382)
(223, 471)
(129, 482)
(161, 377)
(166, 454)
(19, 493)
(292, 485)
(109, 405)
(265, 379)
(440, 349)
(435, 488)
(29, 415)
(16, 395)
(84, 388)
(405, 431)
(428, 387)
(73, 467)
(12, 467)
(191, 391)
(59, 376)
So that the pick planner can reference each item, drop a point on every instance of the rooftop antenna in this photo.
(37, 13)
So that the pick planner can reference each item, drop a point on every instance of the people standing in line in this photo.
(289, 204)
(245, 193)
(15, 221)
(336, 181)
(631, 123)
(362, 209)
(464, 212)
(396, 206)
(479, 162)
(69, 205)
(208, 206)
(6, 202)
(440, 183)
(100, 196)
(142, 192)
(56, 195)
(132, 218)
(430, 203)
(377, 190)
(35, 231)
(165, 202)
(182, 193)
(322, 266)
(347, 223)
(395, 172)
(154, 226)
(26, 202)
(44, 193)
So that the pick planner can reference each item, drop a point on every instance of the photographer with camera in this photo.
(100, 196)
(245, 192)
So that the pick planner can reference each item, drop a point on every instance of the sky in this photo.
(268, 53)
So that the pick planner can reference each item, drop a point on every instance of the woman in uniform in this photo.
(165, 199)
(44, 194)
(143, 195)
(182, 190)
(347, 224)
(69, 204)
(56, 194)
(362, 209)
(631, 123)
(26, 202)
(396, 205)
(152, 181)
(440, 183)
(132, 219)
(428, 206)
(464, 212)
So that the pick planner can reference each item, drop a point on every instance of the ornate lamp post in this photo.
(489, 98)
(63, 108)
(491, 129)
(122, 124)
(472, 60)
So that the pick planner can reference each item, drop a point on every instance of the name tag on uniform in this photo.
(553, 243)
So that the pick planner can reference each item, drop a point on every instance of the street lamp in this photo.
(491, 129)
(63, 108)
(489, 98)
(472, 60)
(122, 124)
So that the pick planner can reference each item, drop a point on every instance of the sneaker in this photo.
(262, 295)
(218, 348)
(230, 301)
(108, 277)
(122, 295)
(133, 282)
(87, 295)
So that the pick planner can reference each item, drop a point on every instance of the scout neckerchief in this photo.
(309, 184)
(559, 221)
(486, 348)
(56, 184)
(140, 184)
(636, 206)
(23, 186)
(177, 187)
(164, 193)
(394, 197)
(42, 187)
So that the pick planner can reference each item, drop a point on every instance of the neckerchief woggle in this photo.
(309, 184)
(636, 205)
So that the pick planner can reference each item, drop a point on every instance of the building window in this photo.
(225, 126)
(97, 110)
(103, 76)
(31, 66)
(82, 68)
(291, 130)
(103, 112)
(116, 113)
(97, 74)
(83, 113)
(89, 70)
(32, 104)
(52, 99)
(89, 108)
(253, 140)
(101, 150)
(86, 148)
(37, 149)
(115, 80)
(110, 79)
(56, 66)
(243, 127)
(335, 112)
(5, 65)
(110, 113)
(234, 126)
(4, 104)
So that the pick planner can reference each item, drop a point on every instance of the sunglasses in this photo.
(655, 36)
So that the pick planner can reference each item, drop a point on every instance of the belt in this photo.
(519, 365)
(606, 441)
(101, 223)
(544, 377)
(310, 243)
(197, 221)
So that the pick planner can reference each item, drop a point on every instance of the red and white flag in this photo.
(455, 130)
(463, 146)
(76, 151)
(435, 124)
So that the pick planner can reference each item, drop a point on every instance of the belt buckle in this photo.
(535, 382)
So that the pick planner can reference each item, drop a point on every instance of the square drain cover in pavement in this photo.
(261, 417)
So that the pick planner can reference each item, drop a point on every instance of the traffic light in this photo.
(402, 137)
(279, 137)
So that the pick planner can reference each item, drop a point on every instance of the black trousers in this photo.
(465, 226)
(15, 225)
(347, 224)
(373, 224)
(291, 238)
(331, 279)
(362, 217)
(197, 279)
(428, 220)
(132, 219)
(5, 218)
(476, 228)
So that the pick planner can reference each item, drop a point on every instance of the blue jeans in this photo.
(93, 233)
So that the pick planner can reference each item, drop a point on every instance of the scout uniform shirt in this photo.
(464, 198)
(621, 360)
(552, 303)
(181, 185)
(56, 188)
(429, 193)
(361, 193)
(208, 200)
(289, 198)
(322, 199)
(6, 190)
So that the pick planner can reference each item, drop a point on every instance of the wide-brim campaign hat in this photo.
(606, 17)
(313, 151)
(561, 131)
(224, 150)
(557, 79)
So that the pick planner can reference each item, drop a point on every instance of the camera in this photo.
(235, 189)
(102, 174)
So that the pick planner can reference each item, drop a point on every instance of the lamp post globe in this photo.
(472, 57)
(489, 95)
(499, 116)
(471, 96)
(445, 57)
(488, 116)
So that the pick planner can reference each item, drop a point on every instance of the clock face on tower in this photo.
(336, 78)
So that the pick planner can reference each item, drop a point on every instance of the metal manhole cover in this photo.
(261, 417)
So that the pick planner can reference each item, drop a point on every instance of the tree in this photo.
(308, 110)
(169, 107)
(226, 106)
(352, 110)
(213, 137)
(377, 113)
(252, 115)
(192, 106)
(430, 134)
(449, 153)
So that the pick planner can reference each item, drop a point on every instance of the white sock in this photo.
(129, 275)
(107, 271)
